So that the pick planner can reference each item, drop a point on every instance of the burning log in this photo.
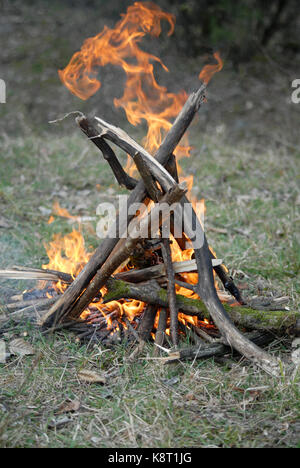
(205, 287)
(120, 253)
(245, 317)
(138, 194)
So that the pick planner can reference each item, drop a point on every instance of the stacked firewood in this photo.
(155, 284)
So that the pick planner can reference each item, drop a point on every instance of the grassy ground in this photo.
(246, 165)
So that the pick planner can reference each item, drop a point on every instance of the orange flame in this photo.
(62, 212)
(143, 98)
(115, 46)
(208, 71)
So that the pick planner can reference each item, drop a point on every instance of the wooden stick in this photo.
(24, 273)
(161, 328)
(171, 167)
(145, 274)
(184, 284)
(133, 332)
(122, 177)
(156, 271)
(166, 253)
(167, 147)
(202, 333)
(228, 282)
(150, 184)
(215, 349)
(147, 322)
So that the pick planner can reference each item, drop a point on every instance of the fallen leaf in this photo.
(90, 376)
(238, 389)
(69, 406)
(21, 347)
(190, 396)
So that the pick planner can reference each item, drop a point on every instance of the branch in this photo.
(166, 253)
(156, 271)
(150, 184)
(161, 328)
(215, 349)
(147, 322)
(86, 125)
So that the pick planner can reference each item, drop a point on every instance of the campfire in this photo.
(154, 276)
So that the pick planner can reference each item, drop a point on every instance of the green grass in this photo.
(142, 405)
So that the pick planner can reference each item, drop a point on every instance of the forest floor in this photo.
(246, 164)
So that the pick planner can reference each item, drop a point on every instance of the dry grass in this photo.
(200, 404)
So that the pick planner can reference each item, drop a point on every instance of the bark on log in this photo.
(279, 322)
